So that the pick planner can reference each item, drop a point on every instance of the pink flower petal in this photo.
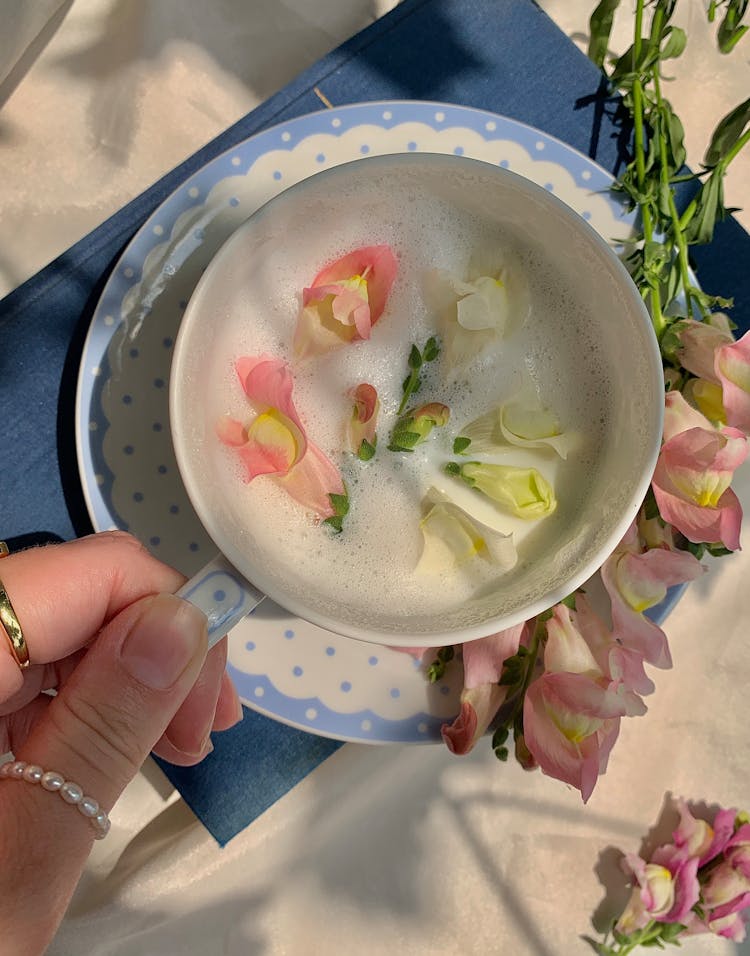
(721, 524)
(312, 480)
(699, 342)
(231, 432)
(363, 423)
(680, 417)
(684, 871)
(345, 300)
(577, 763)
(483, 658)
(732, 365)
(579, 694)
(377, 263)
(482, 696)
(268, 383)
(478, 709)
(275, 443)
(271, 447)
(693, 473)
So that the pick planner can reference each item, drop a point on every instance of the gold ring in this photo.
(11, 625)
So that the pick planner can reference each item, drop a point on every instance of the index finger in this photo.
(63, 594)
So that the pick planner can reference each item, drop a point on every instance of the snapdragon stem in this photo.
(657, 318)
(677, 234)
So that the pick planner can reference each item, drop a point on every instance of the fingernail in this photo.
(202, 751)
(163, 641)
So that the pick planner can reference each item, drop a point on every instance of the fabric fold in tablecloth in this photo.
(500, 55)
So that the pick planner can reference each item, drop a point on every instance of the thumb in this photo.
(120, 699)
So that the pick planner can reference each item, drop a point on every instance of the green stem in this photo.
(677, 234)
(640, 164)
(540, 630)
(721, 167)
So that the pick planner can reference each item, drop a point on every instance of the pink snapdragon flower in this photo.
(733, 369)
(636, 579)
(699, 342)
(275, 443)
(666, 888)
(363, 421)
(693, 474)
(482, 695)
(571, 715)
(700, 881)
(709, 350)
(345, 300)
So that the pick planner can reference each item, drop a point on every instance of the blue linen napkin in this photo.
(499, 55)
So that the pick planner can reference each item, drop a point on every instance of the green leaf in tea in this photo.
(415, 361)
(340, 505)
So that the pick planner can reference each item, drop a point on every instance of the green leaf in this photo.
(460, 444)
(728, 39)
(666, 9)
(404, 440)
(431, 349)
(709, 209)
(436, 670)
(452, 468)
(670, 931)
(697, 550)
(601, 949)
(675, 137)
(415, 358)
(366, 451)
(570, 601)
(727, 133)
(501, 753)
(718, 550)
(340, 504)
(600, 29)
(675, 45)
(730, 31)
(499, 737)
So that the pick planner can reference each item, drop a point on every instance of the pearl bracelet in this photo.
(69, 791)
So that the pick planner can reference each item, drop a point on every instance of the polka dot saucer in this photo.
(283, 667)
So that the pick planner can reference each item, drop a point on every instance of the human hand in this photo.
(129, 663)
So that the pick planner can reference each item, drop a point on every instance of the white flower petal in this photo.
(452, 538)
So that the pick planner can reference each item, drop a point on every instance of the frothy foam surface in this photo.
(366, 576)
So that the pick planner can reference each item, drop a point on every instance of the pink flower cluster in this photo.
(704, 445)
(589, 675)
(583, 676)
(701, 880)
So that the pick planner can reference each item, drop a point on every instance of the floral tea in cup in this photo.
(415, 399)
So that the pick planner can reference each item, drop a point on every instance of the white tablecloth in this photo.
(380, 850)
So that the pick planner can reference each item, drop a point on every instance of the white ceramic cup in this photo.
(231, 586)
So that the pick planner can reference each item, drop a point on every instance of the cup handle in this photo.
(223, 594)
